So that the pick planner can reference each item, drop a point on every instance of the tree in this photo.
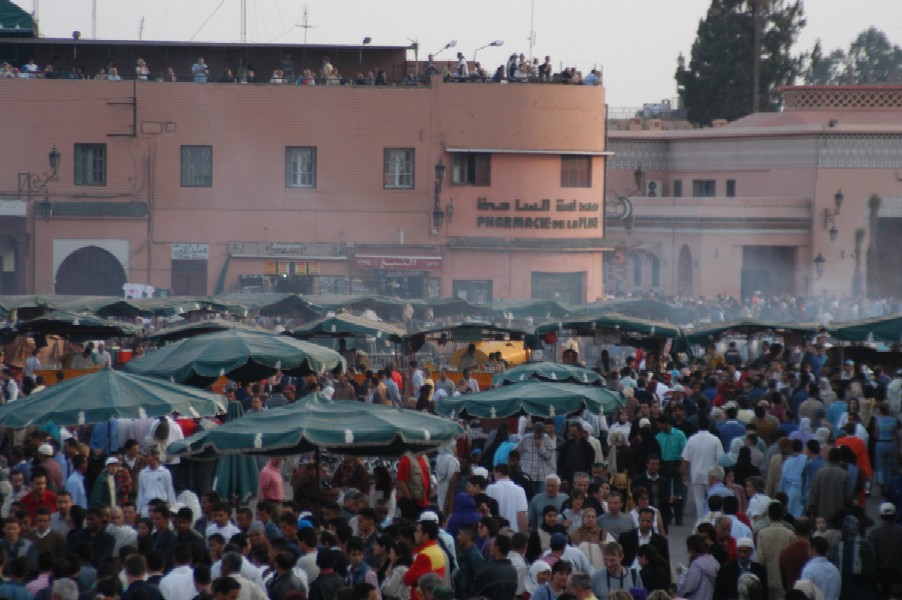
(718, 81)
(871, 58)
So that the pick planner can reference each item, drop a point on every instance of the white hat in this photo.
(745, 543)
(111, 461)
(887, 508)
(428, 515)
(45, 449)
(643, 422)
(677, 388)
(481, 471)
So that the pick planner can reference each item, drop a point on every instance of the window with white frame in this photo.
(300, 167)
(398, 169)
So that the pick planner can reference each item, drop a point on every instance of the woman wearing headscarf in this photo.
(643, 446)
(465, 513)
(591, 539)
(828, 396)
(728, 459)
(620, 457)
(743, 469)
(540, 539)
(804, 432)
(854, 557)
(538, 575)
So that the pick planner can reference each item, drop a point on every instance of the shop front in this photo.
(402, 276)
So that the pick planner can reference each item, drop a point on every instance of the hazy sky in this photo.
(636, 41)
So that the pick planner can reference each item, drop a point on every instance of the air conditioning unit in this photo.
(654, 189)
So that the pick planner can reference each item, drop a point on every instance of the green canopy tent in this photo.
(346, 325)
(237, 475)
(614, 328)
(880, 329)
(546, 371)
(536, 398)
(77, 326)
(171, 334)
(150, 307)
(315, 422)
(747, 327)
(105, 394)
(240, 355)
(269, 303)
(520, 309)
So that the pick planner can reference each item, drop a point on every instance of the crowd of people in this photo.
(517, 69)
(761, 470)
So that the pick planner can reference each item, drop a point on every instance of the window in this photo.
(576, 171)
(300, 167)
(471, 168)
(197, 166)
(731, 188)
(90, 164)
(637, 269)
(398, 169)
(704, 188)
(655, 271)
(678, 188)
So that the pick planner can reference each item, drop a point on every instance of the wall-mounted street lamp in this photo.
(31, 184)
(830, 215)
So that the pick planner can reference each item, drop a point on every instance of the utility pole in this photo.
(243, 21)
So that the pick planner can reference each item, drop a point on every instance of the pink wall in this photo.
(249, 128)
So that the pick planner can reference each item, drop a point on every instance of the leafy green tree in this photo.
(718, 80)
(870, 58)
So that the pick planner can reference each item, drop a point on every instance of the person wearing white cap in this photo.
(54, 471)
(106, 488)
(886, 539)
(727, 583)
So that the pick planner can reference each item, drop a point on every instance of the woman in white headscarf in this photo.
(804, 432)
(826, 392)
(539, 574)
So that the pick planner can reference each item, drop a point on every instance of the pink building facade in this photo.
(200, 188)
(780, 203)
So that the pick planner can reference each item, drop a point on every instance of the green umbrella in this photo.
(547, 371)
(236, 475)
(537, 398)
(240, 355)
(316, 422)
(881, 329)
(77, 326)
(747, 327)
(345, 325)
(104, 394)
(171, 334)
(611, 322)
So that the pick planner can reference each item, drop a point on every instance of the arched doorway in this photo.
(684, 272)
(90, 271)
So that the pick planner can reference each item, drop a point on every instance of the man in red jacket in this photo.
(430, 558)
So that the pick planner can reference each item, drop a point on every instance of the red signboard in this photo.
(399, 263)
